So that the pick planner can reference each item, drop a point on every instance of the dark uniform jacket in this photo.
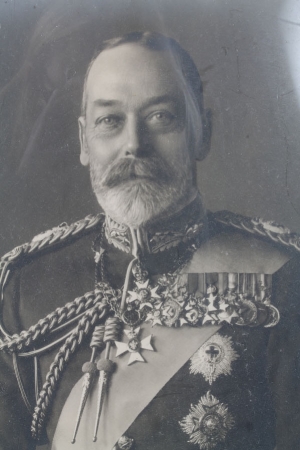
(221, 370)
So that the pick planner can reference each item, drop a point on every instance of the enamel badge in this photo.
(207, 423)
(214, 358)
(134, 346)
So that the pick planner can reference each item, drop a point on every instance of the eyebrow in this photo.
(152, 101)
(104, 103)
(161, 99)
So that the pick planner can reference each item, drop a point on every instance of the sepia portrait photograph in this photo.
(150, 225)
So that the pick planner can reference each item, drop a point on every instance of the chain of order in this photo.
(98, 313)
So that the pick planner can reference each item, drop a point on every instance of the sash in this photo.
(131, 388)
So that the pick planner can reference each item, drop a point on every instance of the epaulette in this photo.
(268, 230)
(56, 237)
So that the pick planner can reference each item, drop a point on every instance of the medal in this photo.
(214, 358)
(207, 423)
(134, 345)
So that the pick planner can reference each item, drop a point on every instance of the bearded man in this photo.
(188, 338)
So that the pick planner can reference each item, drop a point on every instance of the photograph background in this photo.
(248, 56)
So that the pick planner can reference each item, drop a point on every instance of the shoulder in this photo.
(237, 243)
(51, 240)
(51, 270)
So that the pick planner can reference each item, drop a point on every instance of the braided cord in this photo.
(50, 323)
(88, 309)
(84, 327)
(53, 238)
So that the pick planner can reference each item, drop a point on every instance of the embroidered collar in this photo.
(169, 232)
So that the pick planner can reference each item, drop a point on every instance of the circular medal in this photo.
(131, 317)
(262, 316)
(274, 317)
(248, 313)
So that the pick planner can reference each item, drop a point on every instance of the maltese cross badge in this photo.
(134, 345)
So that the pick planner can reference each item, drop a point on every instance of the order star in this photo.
(225, 317)
(134, 345)
(143, 288)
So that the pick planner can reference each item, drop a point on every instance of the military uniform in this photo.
(197, 314)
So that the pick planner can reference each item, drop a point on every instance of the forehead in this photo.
(134, 74)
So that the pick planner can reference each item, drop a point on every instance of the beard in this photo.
(136, 191)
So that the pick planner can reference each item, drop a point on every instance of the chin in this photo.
(138, 203)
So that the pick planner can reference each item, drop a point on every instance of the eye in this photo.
(161, 118)
(110, 122)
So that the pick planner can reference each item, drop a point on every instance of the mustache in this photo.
(155, 169)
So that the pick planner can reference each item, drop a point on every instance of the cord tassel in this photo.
(106, 366)
(90, 369)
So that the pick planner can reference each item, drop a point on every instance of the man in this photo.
(180, 340)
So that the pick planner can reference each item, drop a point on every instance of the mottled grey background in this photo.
(240, 48)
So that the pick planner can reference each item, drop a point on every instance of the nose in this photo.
(132, 138)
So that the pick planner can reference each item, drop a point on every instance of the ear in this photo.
(84, 151)
(204, 145)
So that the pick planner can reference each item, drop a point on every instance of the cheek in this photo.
(173, 148)
(102, 151)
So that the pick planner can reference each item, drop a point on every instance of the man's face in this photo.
(134, 135)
